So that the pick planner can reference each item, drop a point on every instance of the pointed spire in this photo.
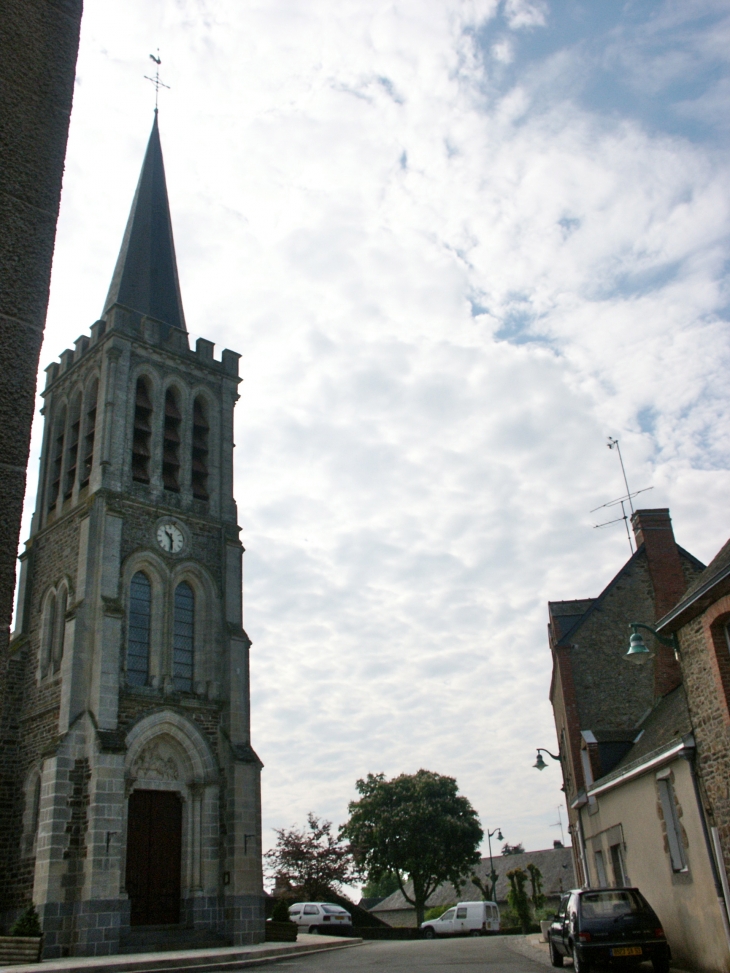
(145, 277)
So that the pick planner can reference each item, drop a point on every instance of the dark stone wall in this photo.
(38, 47)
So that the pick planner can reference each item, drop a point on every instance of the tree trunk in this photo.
(420, 911)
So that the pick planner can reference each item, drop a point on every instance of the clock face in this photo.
(170, 538)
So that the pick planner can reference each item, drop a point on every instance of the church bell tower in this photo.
(132, 793)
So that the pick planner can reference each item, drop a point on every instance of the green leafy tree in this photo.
(486, 888)
(311, 861)
(385, 886)
(513, 849)
(280, 912)
(27, 924)
(517, 897)
(414, 826)
(538, 899)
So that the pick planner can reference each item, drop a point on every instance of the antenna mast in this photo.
(629, 496)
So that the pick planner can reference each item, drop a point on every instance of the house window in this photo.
(617, 863)
(57, 458)
(138, 630)
(171, 444)
(671, 822)
(199, 471)
(87, 456)
(72, 448)
(600, 869)
(141, 433)
(183, 636)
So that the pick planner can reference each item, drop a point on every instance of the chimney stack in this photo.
(653, 530)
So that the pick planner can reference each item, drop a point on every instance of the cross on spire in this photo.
(156, 80)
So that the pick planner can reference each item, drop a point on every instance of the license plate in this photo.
(339, 918)
(626, 951)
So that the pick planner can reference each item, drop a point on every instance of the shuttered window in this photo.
(183, 638)
(671, 821)
(138, 630)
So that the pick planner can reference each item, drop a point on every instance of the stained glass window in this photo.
(183, 633)
(138, 630)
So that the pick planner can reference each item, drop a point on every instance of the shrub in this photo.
(280, 912)
(28, 924)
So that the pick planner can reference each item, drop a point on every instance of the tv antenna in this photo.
(156, 80)
(627, 498)
(559, 824)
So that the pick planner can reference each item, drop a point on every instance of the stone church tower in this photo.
(129, 791)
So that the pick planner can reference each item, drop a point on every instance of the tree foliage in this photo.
(538, 899)
(513, 849)
(517, 897)
(414, 826)
(311, 861)
(385, 886)
(27, 923)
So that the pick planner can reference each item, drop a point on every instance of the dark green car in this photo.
(616, 927)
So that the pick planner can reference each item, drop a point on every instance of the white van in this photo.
(465, 919)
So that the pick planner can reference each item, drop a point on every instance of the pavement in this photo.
(190, 960)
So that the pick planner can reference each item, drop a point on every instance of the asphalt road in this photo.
(474, 955)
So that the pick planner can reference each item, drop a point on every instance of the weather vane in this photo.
(156, 80)
(627, 498)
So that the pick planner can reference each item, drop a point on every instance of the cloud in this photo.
(451, 269)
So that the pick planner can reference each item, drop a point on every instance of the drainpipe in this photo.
(714, 854)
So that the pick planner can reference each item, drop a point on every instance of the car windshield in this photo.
(610, 905)
(447, 915)
(334, 910)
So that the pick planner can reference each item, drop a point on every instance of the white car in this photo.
(316, 916)
(465, 919)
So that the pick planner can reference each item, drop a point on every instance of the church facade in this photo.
(130, 790)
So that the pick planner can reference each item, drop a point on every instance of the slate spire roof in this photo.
(145, 277)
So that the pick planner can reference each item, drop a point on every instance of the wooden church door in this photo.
(154, 843)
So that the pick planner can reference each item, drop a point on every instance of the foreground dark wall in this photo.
(39, 42)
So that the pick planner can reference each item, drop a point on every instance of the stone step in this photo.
(165, 939)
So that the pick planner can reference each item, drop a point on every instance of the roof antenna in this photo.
(628, 498)
(156, 80)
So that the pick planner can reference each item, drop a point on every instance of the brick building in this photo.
(701, 623)
(135, 796)
(628, 752)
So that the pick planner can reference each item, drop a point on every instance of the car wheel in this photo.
(580, 965)
(313, 929)
(475, 932)
(660, 964)
(556, 958)
(428, 933)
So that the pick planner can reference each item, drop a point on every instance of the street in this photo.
(478, 955)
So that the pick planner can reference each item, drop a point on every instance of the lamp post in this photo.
(639, 653)
(492, 873)
(540, 763)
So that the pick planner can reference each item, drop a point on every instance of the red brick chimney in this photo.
(653, 529)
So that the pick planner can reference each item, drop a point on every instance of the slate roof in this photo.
(665, 725)
(556, 865)
(713, 583)
(145, 277)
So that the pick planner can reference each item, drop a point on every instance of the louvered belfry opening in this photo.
(171, 444)
(87, 459)
(142, 433)
(200, 451)
(72, 448)
(57, 459)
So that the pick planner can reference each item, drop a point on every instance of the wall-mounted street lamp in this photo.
(639, 652)
(540, 763)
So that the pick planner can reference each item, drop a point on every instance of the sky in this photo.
(458, 244)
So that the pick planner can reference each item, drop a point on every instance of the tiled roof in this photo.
(715, 575)
(556, 865)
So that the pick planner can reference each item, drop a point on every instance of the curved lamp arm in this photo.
(638, 651)
(540, 763)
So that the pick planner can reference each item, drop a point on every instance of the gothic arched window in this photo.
(199, 471)
(59, 433)
(47, 635)
(87, 458)
(142, 433)
(60, 633)
(138, 630)
(183, 638)
(171, 443)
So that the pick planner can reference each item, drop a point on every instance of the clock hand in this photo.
(172, 539)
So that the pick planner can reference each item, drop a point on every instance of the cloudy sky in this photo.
(458, 243)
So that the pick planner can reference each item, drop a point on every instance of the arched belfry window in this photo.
(199, 469)
(87, 456)
(138, 630)
(72, 448)
(59, 433)
(183, 638)
(171, 444)
(142, 433)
